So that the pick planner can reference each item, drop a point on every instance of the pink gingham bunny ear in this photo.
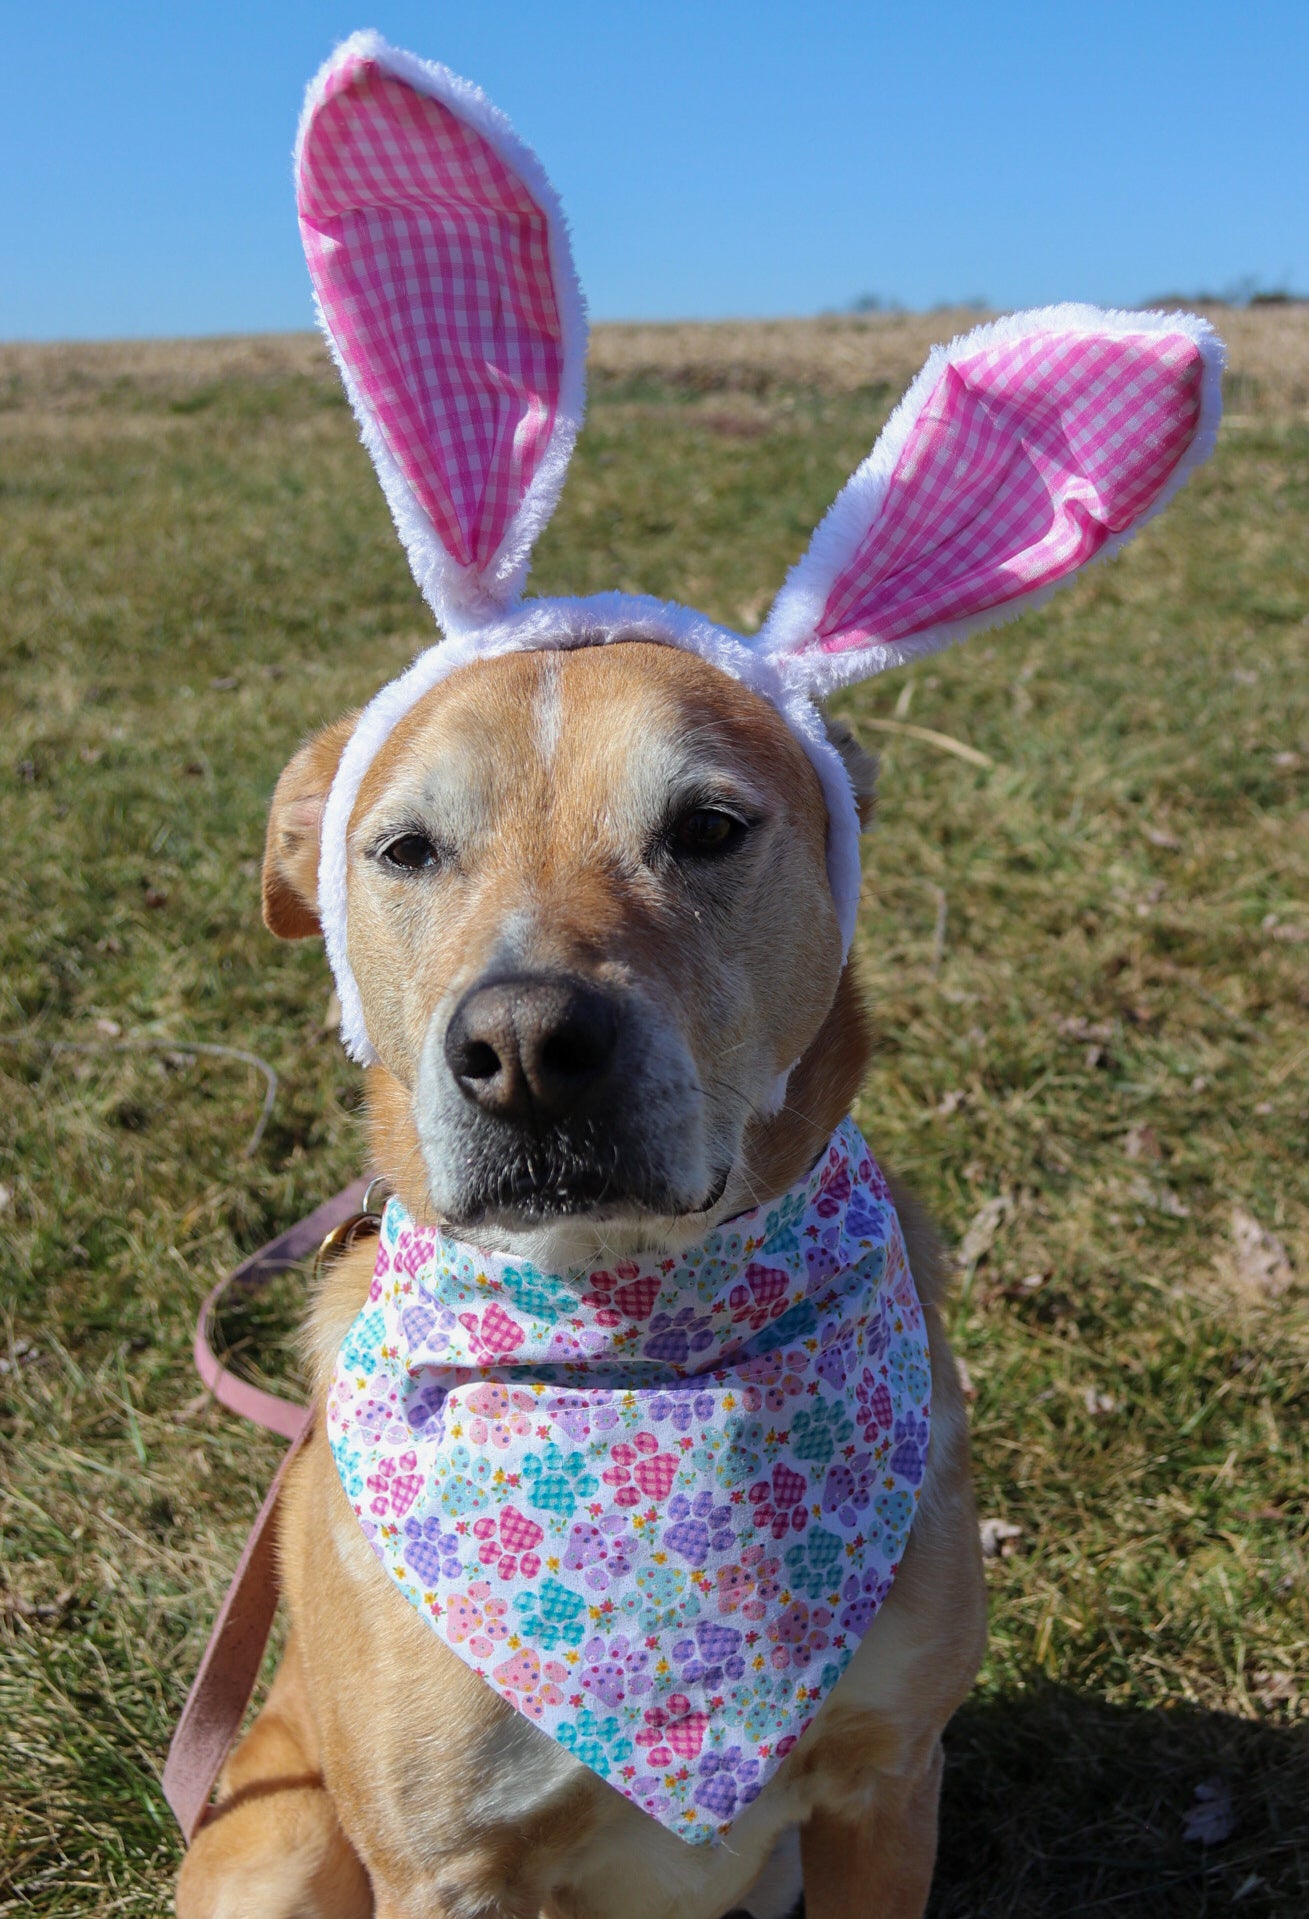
(1021, 451)
(440, 262)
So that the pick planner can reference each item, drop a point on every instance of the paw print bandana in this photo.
(656, 1506)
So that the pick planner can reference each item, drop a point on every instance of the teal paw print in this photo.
(551, 1615)
(557, 1480)
(894, 1510)
(595, 1741)
(359, 1349)
(466, 1483)
(349, 1466)
(661, 1588)
(796, 1324)
(812, 1563)
(818, 1431)
(537, 1294)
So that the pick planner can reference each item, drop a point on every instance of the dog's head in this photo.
(590, 919)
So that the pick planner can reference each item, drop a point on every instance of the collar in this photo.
(654, 1506)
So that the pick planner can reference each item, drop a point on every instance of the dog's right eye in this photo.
(410, 853)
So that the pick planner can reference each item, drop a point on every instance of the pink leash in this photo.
(215, 1706)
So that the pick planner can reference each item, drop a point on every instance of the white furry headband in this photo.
(445, 286)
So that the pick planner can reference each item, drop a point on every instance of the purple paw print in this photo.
(849, 1488)
(431, 1553)
(425, 1411)
(910, 1455)
(615, 1670)
(675, 1336)
(679, 1409)
(863, 1594)
(699, 1525)
(727, 1781)
(599, 1551)
(874, 1407)
(712, 1656)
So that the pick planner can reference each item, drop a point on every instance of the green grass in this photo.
(1091, 988)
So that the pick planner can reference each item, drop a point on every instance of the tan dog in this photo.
(382, 1775)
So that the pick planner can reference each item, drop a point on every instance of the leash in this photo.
(216, 1703)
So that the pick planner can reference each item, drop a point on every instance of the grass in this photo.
(1090, 969)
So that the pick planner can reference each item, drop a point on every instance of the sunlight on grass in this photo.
(1089, 963)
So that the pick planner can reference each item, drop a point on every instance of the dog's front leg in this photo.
(878, 1865)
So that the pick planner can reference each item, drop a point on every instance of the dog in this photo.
(632, 1565)
(381, 1774)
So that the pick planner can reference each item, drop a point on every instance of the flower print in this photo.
(499, 1414)
(699, 1526)
(862, 1594)
(598, 1743)
(675, 1336)
(430, 1553)
(551, 1614)
(492, 1336)
(671, 1732)
(798, 1634)
(615, 1669)
(750, 1586)
(818, 1431)
(558, 1480)
(512, 1548)
(394, 1486)
(474, 1619)
(849, 1488)
(599, 1550)
(711, 1656)
(726, 1781)
(874, 1407)
(812, 1562)
(529, 1682)
(759, 1296)
(894, 1509)
(639, 1470)
(910, 1456)
(780, 1504)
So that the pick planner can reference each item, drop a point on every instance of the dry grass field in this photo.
(1089, 960)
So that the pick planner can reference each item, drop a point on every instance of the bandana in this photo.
(657, 1506)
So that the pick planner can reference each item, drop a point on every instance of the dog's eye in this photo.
(409, 853)
(706, 833)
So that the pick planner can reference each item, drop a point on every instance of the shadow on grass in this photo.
(1059, 1804)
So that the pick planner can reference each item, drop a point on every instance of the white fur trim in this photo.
(799, 606)
(545, 625)
(465, 597)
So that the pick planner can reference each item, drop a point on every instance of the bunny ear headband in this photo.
(445, 285)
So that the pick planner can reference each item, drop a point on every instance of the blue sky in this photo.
(716, 158)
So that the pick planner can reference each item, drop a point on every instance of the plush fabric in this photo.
(655, 1506)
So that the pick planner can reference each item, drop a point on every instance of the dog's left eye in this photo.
(410, 853)
(706, 832)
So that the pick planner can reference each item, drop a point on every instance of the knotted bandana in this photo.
(655, 1506)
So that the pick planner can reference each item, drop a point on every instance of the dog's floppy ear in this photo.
(445, 285)
(1021, 451)
(290, 882)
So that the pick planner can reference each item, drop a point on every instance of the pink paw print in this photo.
(780, 1506)
(761, 1298)
(530, 1683)
(640, 1469)
(798, 1633)
(394, 1486)
(625, 1291)
(874, 1409)
(476, 1619)
(672, 1732)
(751, 1586)
(499, 1414)
(495, 1336)
(511, 1548)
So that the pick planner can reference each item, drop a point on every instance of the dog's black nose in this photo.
(532, 1046)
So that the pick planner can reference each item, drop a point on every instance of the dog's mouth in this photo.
(550, 1183)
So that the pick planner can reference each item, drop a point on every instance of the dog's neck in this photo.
(775, 1152)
